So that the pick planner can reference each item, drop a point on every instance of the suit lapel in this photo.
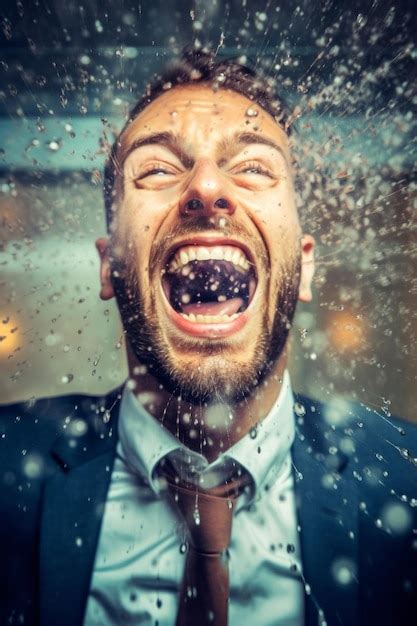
(327, 514)
(74, 501)
(73, 507)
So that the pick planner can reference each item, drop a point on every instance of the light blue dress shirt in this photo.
(141, 551)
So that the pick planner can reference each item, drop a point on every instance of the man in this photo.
(203, 492)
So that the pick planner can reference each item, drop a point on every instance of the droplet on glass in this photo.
(54, 145)
(33, 465)
(251, 112)
(299, 409)
(196, 516)
(344, 571)
(396, 518)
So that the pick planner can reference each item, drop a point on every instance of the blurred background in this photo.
(69, 73)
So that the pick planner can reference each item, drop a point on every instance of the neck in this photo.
(209, 429)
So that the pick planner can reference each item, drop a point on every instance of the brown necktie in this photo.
(208, 516)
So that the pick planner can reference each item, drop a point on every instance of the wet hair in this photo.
(191, 68)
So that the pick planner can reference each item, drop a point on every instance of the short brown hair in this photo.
(193, 67)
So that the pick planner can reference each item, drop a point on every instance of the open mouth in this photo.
(207, 284)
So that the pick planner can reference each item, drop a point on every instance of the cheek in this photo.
(145, 211)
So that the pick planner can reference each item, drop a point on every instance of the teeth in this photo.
(236, 257)
(203, 253)
(210, 319)
(184, 258)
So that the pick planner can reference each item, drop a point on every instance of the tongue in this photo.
(229, 307)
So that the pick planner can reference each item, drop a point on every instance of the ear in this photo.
(307, 268)
(106, 292)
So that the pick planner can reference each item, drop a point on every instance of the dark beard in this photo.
(145, 340)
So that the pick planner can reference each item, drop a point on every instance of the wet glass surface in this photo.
(69, 75)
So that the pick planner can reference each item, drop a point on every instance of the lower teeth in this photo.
(209, 319)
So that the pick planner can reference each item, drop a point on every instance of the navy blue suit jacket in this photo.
(356, 492)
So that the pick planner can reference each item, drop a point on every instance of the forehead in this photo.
(198, 113)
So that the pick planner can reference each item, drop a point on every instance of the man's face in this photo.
(207, 247)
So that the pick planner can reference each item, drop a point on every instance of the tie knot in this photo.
(207, 513)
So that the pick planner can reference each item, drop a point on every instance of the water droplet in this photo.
(196, 516)
(54, 145)
(344, 571)
(396, 517)
(299, 409)
(33, 465)
(251, 112)
(67, 378)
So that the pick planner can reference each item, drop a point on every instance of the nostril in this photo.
(194, 205)
(221, 203)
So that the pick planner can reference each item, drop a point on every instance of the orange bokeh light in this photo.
(346, 330)
(10, 335)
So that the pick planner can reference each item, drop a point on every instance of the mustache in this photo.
(222, 225)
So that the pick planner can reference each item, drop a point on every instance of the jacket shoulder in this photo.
(374, 443)
(29, 429)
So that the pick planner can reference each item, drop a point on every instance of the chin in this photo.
(209, 371)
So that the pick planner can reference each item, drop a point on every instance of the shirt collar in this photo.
(144, 440)
(261, 452)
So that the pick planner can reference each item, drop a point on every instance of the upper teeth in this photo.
(184, 255)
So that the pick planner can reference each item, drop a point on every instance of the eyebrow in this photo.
(167, 139)
(229, 145)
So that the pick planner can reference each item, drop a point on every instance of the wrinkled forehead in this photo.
(199, 114)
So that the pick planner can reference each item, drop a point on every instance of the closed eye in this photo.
(154, 171)
(254, 169)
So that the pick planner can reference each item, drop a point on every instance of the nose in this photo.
(207, 192)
